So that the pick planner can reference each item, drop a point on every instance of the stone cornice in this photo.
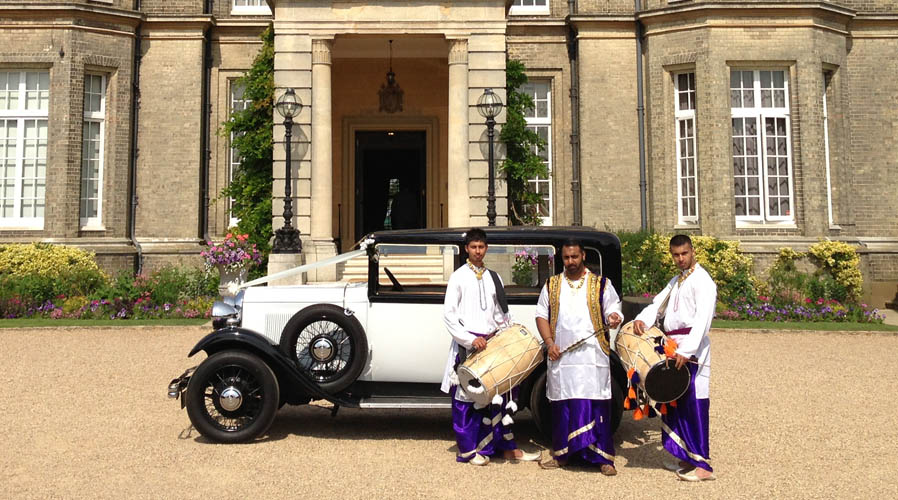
(32, 12)
(742, 9)
(730, 15)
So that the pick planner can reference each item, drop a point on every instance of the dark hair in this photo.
(475, 234)
(573, 242)
(680, 240)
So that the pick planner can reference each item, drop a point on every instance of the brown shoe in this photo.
(608, 470)
(550, 464)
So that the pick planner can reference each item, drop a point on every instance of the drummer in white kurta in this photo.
(687, 320)
(471, 312)
(576, 305)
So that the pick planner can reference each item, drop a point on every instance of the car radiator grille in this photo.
(274, 325)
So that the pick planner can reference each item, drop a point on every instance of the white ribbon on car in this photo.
(301, 269)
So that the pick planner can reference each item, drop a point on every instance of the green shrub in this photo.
(45, 259)
(840, 262)
(648, 266)
(120, 286)
(646, 262)
(730, 269)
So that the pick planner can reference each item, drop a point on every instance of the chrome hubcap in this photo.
(231, 398)
(322, 349)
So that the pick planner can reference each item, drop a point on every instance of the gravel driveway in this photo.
(793, 415)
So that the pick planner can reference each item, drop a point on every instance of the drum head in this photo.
(664, 383)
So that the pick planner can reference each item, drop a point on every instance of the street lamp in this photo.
(490, 105)
(286, 238)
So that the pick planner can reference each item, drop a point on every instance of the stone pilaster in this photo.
(459, 213)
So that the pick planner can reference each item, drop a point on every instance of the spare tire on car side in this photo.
(327, 344)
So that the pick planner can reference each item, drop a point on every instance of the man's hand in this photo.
(554, 352)
(681, 361)
(614, 320)
(638, 327)
(479, 344)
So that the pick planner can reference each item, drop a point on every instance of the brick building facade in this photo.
(773, 123)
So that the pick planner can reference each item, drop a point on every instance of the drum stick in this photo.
(581, 341)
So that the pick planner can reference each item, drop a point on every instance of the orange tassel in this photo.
(673, 404)
(627, 404)
(670, 348)
(630, 373)
(631, 393)
(637, 414)
(646, 411)
(663, 409)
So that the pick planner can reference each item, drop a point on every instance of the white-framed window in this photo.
(24, 108)
(687, 178)
(529, 8)
(762, 149)
(92, 142)
(539, 119)
(250, 8)
(237, 103)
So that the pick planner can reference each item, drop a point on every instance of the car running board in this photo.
(397, 402)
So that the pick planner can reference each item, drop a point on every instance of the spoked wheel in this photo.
(232, 397)
(327, 345)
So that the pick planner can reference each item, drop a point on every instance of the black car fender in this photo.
(236, 338)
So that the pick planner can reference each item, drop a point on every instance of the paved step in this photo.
(406, 268)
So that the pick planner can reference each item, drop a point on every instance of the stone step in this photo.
(406, 268)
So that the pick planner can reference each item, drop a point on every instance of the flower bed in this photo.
(117, 308)
(822, 284)
(34, 284)
(811, 310)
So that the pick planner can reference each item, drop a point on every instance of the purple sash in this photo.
(680, 331)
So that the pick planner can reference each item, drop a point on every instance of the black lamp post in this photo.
(490, 105)
(286, 238)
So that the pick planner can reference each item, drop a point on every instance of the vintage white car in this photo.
(374, 339)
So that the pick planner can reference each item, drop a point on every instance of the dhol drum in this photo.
(658, 375)
(509, 356)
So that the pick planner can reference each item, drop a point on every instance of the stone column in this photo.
(458, 202)
(322, 160)
(322, 163)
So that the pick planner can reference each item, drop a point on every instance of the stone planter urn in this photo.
(230, 279)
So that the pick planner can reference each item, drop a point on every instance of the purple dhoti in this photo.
(481, 431)
(581, 428)
(685, 427)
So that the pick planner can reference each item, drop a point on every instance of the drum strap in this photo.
(501, 298)
(662, 311)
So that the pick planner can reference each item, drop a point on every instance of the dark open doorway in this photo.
(390, 180)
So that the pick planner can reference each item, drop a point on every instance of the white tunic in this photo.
(468, 308)
(583, 373)
(691, 305)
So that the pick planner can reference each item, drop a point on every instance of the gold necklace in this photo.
(682, 277)
(579, 284)
(478, 271)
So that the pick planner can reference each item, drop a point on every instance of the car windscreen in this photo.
(415, 268)
(523, 268)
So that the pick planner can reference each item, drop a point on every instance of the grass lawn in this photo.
(804, 325)
(40, 322)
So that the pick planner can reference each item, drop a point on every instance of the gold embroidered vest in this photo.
(594, 290)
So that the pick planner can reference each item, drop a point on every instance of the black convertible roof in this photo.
(607, 244)
(501, 234)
